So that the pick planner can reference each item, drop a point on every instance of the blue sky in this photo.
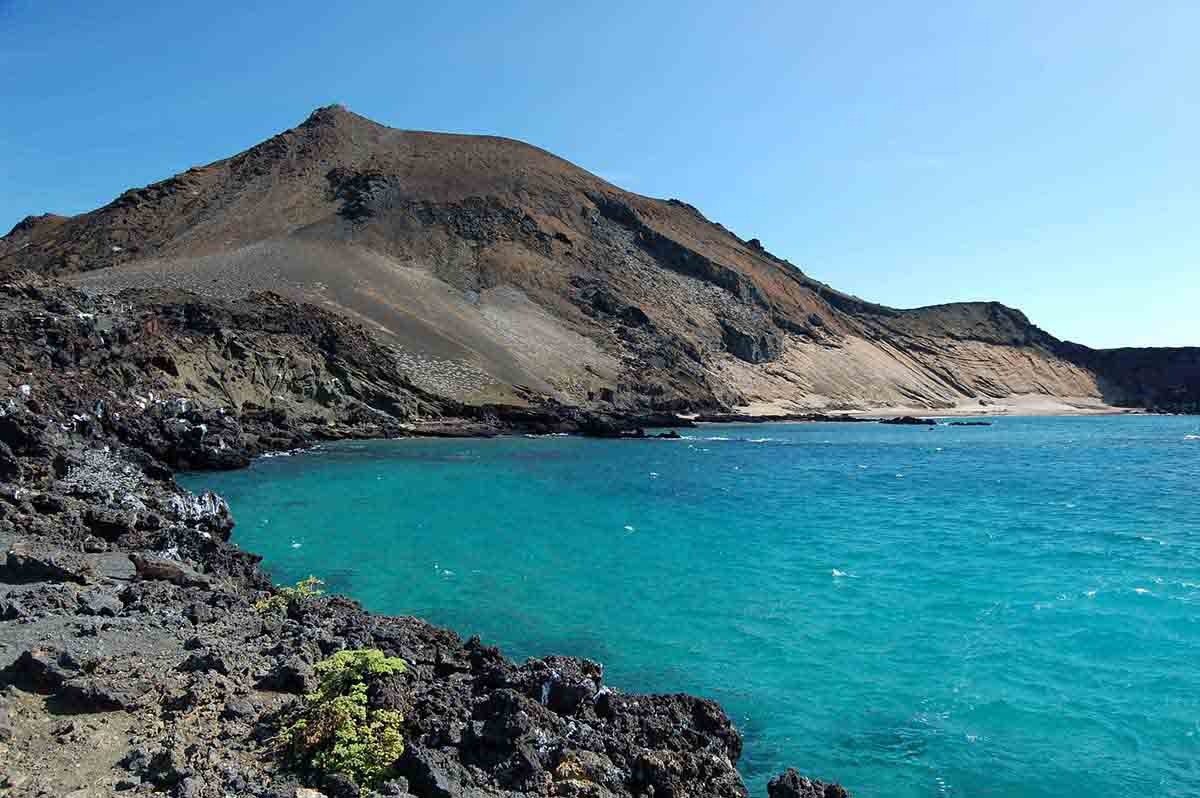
(1046, 155)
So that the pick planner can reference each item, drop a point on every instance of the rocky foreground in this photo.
(137, 652)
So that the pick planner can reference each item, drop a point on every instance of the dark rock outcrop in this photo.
(909, 421)
(791, 784)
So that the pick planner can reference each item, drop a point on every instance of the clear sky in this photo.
(1043, 154)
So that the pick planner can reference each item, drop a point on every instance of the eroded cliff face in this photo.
(507, 271)
(133, 655)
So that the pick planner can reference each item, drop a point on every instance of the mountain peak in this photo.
(517, 271)
(335, 115)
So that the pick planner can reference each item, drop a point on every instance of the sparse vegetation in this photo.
(284, 597)
(336, 732)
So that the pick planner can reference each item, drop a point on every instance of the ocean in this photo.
(1011, 610)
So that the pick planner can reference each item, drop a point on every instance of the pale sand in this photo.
(1017, 405)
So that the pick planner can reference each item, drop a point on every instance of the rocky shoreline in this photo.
(136, 656)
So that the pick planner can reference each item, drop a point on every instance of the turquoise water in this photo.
(1010, 610)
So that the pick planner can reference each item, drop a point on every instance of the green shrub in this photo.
(336, 732)
(284, 597)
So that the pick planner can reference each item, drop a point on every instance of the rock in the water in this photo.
(791, 784)
(909, 421)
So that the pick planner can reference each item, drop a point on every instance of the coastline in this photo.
(1022, 405)
(132, 653)
(135, 653)
(135, 666)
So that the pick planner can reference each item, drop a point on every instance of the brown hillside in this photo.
(498, 267)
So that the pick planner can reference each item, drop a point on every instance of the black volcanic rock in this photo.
(791, 784)
(909, 421)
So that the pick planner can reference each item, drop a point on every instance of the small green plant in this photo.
(284, 597)
(336, 732)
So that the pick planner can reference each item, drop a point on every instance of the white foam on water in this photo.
(1090, 594)
(1191, 437)
(296, 545)
(628, 528)
(1141, 591)
(653, 475)
(836, 574)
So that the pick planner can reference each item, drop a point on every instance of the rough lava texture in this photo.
(133, 660)
(500, 271)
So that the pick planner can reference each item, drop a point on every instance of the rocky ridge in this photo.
(133, 657)
(519, 273)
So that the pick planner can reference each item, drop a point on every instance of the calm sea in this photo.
(1010, 610)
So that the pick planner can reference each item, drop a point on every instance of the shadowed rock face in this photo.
(482, 258)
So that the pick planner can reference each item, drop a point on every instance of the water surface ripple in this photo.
(1010, 610)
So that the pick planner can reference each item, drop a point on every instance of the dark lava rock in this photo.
(909, 421)
(199, 613)
(10, 466)
(32, 561)
(12, 610)
(107, 524)
(103, 694)
(100, 602)
(41, 669)
(204, 661)
(151, 568)
(238, 709)
(791, 784)
(290, 675)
